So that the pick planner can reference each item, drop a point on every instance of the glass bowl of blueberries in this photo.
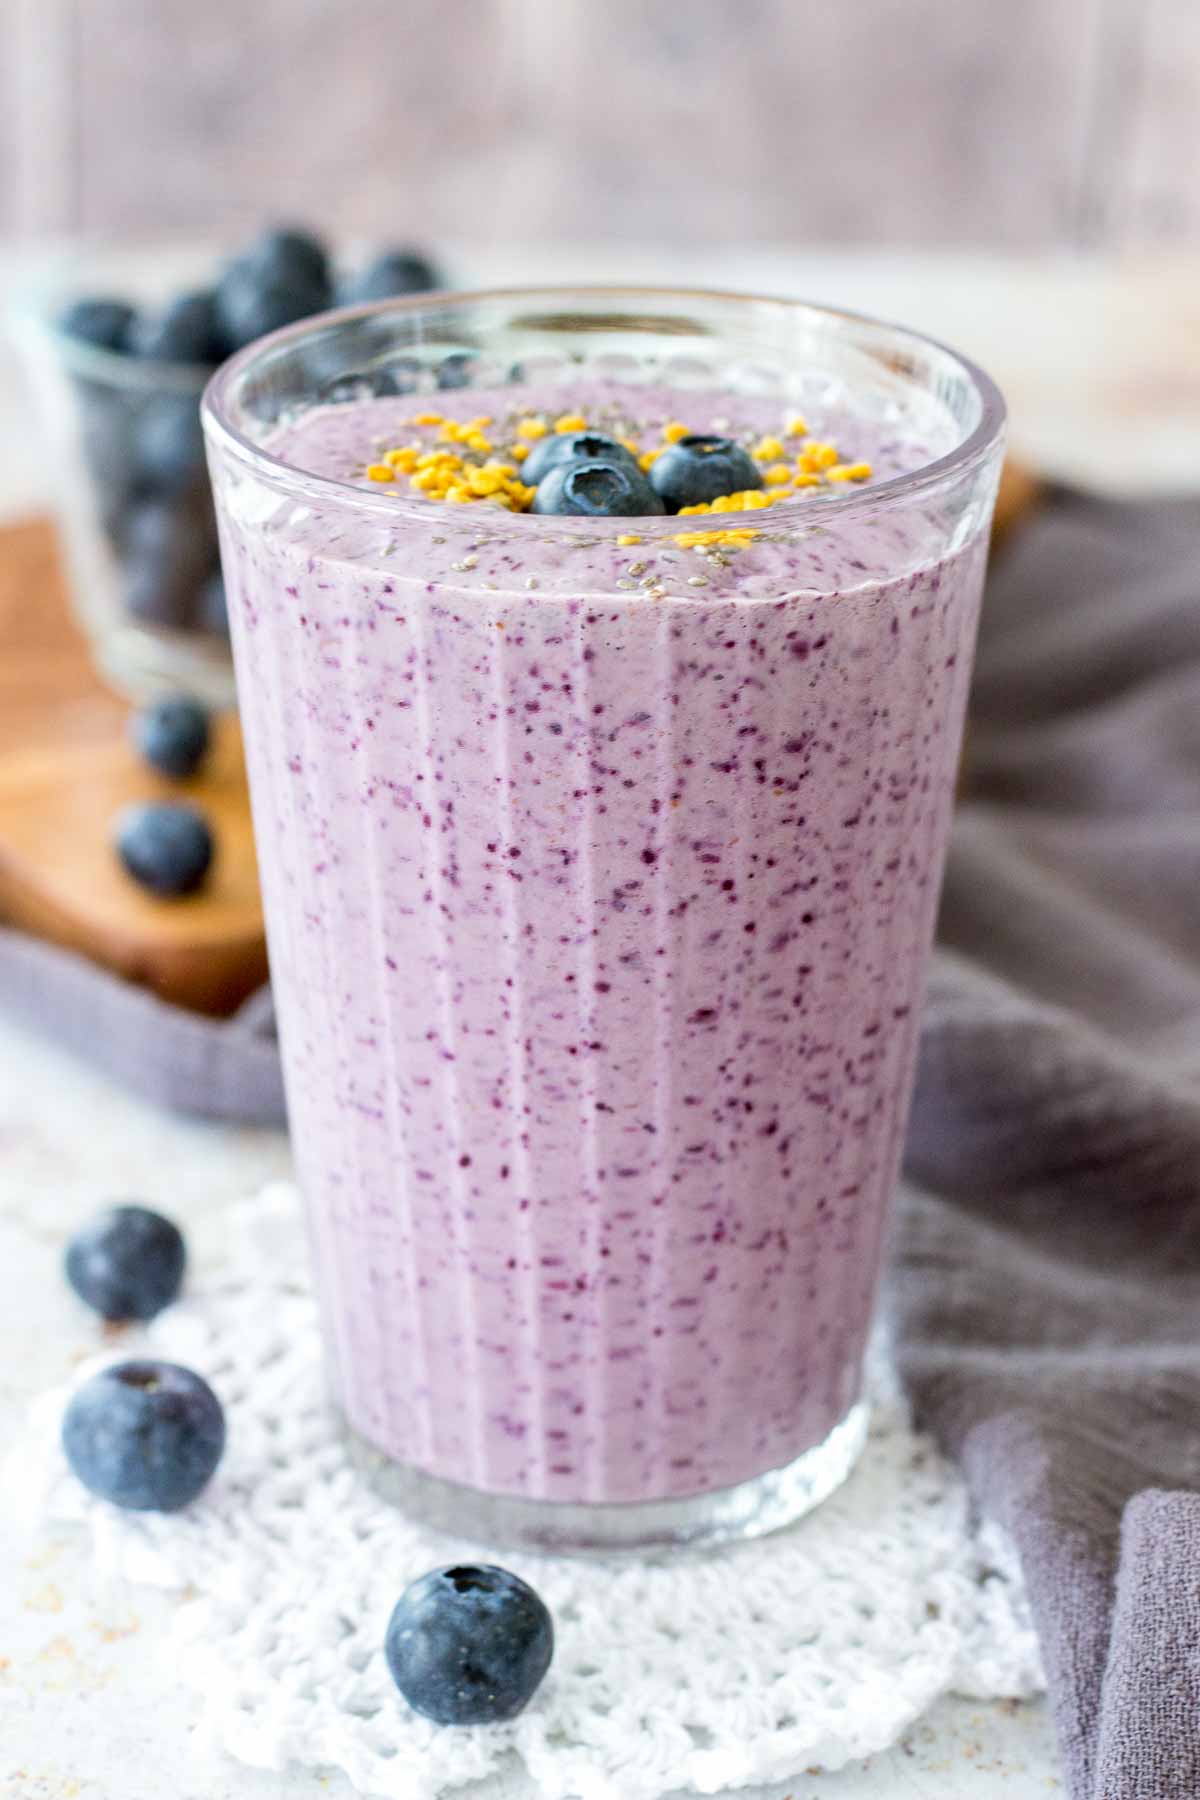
(119, 383)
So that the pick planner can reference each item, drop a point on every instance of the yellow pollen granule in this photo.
(796, 426)
(426, 418)
(532, 428)
(819, 456)
(632, 445)
(747, 500)
(475, 440)
(452, 432)
(629, 537)
(777, 474)
(848, 472)
(405, 460)
(701, 506)
(570, 422)
(648, 458)
(484, 482)
(806, 480)
(380, 472)
(674, 431)
(459, 491)
(519, 452)
(481, 423)
(768, 449)
(695, 540)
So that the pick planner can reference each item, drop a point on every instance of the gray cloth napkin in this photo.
(1047, 1284)
(217, 1068)
(1048, 1279)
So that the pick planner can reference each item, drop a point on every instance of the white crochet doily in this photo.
(815, 1646)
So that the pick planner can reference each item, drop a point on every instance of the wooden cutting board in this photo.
(1020, 491)
(67, 769)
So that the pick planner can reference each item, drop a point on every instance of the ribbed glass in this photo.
(598, 913)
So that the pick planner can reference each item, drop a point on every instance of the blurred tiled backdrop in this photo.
(1016, 123)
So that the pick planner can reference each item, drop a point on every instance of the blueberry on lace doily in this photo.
(816, 1646)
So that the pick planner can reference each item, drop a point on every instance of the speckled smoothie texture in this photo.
(600, 882)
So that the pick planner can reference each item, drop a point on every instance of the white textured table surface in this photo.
(89, 1708)
(1100, 364)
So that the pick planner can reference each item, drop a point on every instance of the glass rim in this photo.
(215, 407)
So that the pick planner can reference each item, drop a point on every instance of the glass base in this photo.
(752, 1508)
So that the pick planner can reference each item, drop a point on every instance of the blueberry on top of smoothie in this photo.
(568, 465)
(568, 446)
(598, 489)
(700, 467)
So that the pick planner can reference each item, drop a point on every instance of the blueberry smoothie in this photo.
(600, 859)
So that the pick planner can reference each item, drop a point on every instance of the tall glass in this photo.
(600, 880)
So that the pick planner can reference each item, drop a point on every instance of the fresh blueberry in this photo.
(469, 1646)
(393, 273)
(145, 1435)
(185, 331)
(102, 322)
(127, 1263)
(166, 848)
(454, 371)
(106, 439)
(213, 612)
(172, 735)
(169, 443)
(700, 468)
(286, 250)
(253, 299)
(564, 446)
(597, 488)
(168, 546)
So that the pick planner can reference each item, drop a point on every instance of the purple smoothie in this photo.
(600, 882)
